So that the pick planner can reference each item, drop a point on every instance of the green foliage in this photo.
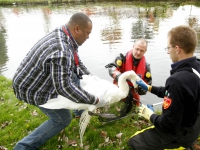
(18, 119)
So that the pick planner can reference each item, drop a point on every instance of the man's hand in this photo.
(141, 91)
(150, 107)
(145, 112)
(102, 102)
(144, 86)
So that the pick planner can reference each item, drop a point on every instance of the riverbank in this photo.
(18, 119)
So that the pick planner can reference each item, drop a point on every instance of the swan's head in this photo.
(132, 76)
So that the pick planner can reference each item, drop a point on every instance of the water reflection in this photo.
(112, 32)
(46, 11)
(115, 27)
(193, 21)
(3, 47)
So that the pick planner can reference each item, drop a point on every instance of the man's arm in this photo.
(114, 68)
(62, 70)
(147, 79)
(83, 68)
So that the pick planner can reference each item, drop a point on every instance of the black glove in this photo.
(141, 91)
(117, 77)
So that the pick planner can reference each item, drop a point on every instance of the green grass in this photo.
(18, 119)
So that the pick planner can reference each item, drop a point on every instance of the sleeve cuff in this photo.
(96, 100)
(153, 118)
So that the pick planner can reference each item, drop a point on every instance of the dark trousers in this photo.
(76, 80)
(153, 138)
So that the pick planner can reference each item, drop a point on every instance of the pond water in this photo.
(115, 27)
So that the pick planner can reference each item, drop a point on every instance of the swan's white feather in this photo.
(98, 87)
(62, 102)
(84, 120)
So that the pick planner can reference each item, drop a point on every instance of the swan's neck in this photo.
(123, 85)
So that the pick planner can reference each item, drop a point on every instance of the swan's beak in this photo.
(133, 77)
(134, 82)
(137, 78)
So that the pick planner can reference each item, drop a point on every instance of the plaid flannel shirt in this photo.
(47, 71)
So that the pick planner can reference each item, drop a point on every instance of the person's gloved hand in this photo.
(141, 91)
(145, 112)
(150, 107)
(117, 77)
(143, 85)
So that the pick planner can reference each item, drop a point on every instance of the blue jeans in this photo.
(58, 120)
(76, 80)
(77, 113)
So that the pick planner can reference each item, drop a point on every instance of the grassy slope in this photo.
(18, 119)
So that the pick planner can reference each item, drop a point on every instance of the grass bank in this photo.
(18, 119)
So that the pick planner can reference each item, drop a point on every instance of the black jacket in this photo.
(183, 89)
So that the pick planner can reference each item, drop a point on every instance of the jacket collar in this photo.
(182, 65)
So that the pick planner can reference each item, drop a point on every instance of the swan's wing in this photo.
(84, 120)
(62, 102)
(106, 90)
(87, 79)
(95, 78)
(54, 104)
(96, 88)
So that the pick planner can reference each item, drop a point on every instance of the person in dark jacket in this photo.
(178, 126)
(134, 60)
(53, 68)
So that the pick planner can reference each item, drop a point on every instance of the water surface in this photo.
(115, 27)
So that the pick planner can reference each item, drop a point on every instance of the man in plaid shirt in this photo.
(52, 68)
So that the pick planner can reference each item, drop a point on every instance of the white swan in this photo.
(98, 87)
